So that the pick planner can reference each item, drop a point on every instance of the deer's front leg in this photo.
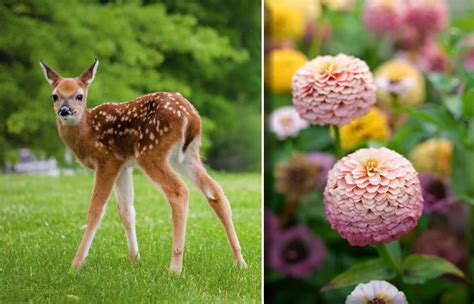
(124, 195)
(105, 176)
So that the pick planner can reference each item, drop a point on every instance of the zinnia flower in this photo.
(286, 122)
(280, 67)
(296, 177)
(285, 21)
(376, 292)
(333, 90)
(325, 161)
(441, 243)
(433, 156)
(468, 60)
(399, 81)
(296, 252)
(467, 56)
(373, 195)
(382, 16)
(407, 38)
(374, 125)
(427, 15)
(436, 193)
(431, 58)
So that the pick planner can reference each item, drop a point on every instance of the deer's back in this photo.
(151, 122)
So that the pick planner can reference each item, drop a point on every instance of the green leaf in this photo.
(454, 105)
(442, 82)
(441, 119)
(394, 250)
(418, 268)
(459, 170)
(468, 103)
(374, 269)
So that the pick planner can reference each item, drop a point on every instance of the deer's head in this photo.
(69, 95)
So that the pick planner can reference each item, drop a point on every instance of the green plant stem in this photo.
(337, 142)
(384, 253)
(470, 249)
(392, 262)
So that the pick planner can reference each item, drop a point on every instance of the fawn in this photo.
(159, 132)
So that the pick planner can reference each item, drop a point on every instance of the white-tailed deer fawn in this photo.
(157, 132)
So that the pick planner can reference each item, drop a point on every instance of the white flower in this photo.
(286, 122)
(376, 292)
(395, 87)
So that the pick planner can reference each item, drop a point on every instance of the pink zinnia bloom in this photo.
(468, 60)
(373, 195)
(427, 15)
(333, 90)
(432, 58)
(382, 16)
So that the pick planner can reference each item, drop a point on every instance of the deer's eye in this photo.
(80, 97)
(55, 97)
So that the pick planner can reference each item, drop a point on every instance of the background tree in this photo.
(207, 50)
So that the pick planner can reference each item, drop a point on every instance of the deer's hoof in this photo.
(240, 263)
(134, 257)
(175, 269)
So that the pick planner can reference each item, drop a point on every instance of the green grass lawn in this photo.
(42, 224)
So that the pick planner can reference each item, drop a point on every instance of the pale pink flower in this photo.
(373, 195)
(286, 122)
(468, 60)
(432, 57)
(376, 292)
(382, 16)
(333, 90)
(428, 16)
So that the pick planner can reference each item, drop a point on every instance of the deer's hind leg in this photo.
(159, 171)
(193, 167)
(124, 194)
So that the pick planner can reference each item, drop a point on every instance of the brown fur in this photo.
(144, 130)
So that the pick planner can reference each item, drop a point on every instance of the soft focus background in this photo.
(421, 54)
(208, 50)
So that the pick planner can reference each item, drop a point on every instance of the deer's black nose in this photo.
(64, 111)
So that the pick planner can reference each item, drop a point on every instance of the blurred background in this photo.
(421, 53)
(208, 50)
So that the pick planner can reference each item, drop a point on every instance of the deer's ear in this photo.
(88, 75)
(51, 75)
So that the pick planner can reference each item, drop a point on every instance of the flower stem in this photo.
(388, 257)
(337, 142)
(470, 248)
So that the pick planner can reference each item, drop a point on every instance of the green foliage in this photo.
(142, 47)
(374, 269)
(418, 268)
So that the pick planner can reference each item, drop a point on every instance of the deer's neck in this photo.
(79, 138)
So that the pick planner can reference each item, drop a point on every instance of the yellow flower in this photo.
(373, 125)
(280, 66)
(310, 8)
(401, 82)
(433, 156)
(339, 5)
(285, 20)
